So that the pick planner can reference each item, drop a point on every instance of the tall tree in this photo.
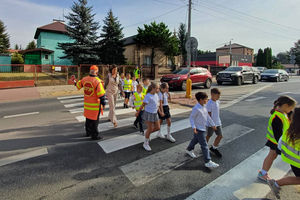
(82, 29)
(283, 57)
(296, 51)
(4, 38)
(17, 47)
(268, 57)
(31, 45)
(182, 36)
(111, 45)
(172, 49)
(260, 58)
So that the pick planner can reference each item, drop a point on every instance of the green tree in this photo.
(4, 38)
(182, 37)
(31, 45)
(296, 51)
(17, 58)
(82, 29)
(172, 49)
(200, 52)
(268, 57)
(283, 57)
(260, 58)
(17, 47)
(111, 45)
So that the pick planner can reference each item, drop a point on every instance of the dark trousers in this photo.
(139, 120)
(91, 126)
(200, 138)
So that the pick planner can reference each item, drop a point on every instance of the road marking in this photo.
(80, 110)
(20, 115)
(73, 105)
(244, 97)
(23, 156)
(72, 100)
(70, 97)
(105, 114)
(147, 169)
(128, 121)
(241, 181)
(255, 99)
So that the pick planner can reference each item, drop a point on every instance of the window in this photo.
(147, 61)
(46, 57)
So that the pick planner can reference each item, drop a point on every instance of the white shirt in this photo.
(152, 103)
(214, 108)
(163, 97)
(200, 118)
(134, 84)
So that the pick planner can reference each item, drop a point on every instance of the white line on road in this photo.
(23, 156)
(80, 110)
(147, 169)
(72, 100)
(255, 99)
(74, 105)
(69, 97)
(241, 181)
(20, 115)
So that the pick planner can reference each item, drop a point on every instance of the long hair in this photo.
(283, 100)
(164, 85)
(294, 130)
(112, 67)
(151, 87)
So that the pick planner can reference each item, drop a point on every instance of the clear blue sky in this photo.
(254, 23)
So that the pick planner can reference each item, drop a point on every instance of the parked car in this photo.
(261, 69)
(237, 75)
(275, 75)
(255, 69)
(199, 76)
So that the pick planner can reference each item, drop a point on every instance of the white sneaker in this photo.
(142, 132)
(160, 135)
(211, 164)
(191, 153)
(170, 138)
(146, 146)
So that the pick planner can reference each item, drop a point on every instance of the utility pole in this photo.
(189, 33)
(230, 52)
(189, 52)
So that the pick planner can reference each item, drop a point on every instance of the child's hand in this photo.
(195, 131)
(214, 128)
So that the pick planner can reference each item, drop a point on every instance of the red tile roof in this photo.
(36, 50)
(57, 27)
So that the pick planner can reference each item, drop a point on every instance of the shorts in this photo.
(273, 147)
(296, 170)
(210, 131)
(166, 111)
(151, 117)
(127, 95)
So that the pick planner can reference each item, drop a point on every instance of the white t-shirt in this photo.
(134, 84)
(152, 102)
(214, 108)
(163, 97)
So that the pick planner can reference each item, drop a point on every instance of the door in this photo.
(247, 74)
(202, 75)
(194, 75)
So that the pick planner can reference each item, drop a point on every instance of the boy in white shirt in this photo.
(134, 84)
(199, 120)
(213, 109)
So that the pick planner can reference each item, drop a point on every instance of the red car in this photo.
(199, 76)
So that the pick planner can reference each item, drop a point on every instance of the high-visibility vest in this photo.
(285, 122)
(93, 90)
(127, 84)
(136, 73)
(290, 153)
(138, 100)
(144, 91)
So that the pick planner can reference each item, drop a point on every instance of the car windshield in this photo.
(235, 69)
(260, 68)
(183, 71)
(271, 71)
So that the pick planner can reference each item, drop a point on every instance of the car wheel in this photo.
(219, 82)
(255, 80)
(183, 86)
(239, 81)
(207, 84)
(287, 79)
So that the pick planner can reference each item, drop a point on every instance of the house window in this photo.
(147, 61)
(46, 57)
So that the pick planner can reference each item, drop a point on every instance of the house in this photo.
(141, 55)
(47, 52)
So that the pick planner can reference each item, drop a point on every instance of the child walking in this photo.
(137, 102)
(164, 96)
(213, 109)
(278, 125)
(127, 88)
(146, 83)
(134, 84)
(199, 118)
(150, 103)
(289, 144)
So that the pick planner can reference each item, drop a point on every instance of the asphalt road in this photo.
(74, 167)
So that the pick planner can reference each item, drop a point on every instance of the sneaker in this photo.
(211, 164)
(170, 138)
(274, 188)
(216, 152)
(262, 177)
(160, 135)
(191, 153)
(97, 138)
(142, 133)
(146, 146)
(135, 126)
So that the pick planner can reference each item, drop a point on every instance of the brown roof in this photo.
(13, 51)
(56, 27)
(37, 49)
(233, 46)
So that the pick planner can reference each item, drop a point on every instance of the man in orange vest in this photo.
(94, 101)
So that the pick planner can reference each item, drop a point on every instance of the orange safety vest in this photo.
(93, 90)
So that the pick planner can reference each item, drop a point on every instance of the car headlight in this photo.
(274, 75)
(176, 78)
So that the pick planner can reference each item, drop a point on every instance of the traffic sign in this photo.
(191, 44)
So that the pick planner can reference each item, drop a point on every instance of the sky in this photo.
(253, 23)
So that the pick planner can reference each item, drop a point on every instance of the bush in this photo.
(278, 66)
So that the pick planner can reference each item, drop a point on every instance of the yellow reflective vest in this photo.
(138, 100)
(127, 85)
(290, 153)
(285, 122)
